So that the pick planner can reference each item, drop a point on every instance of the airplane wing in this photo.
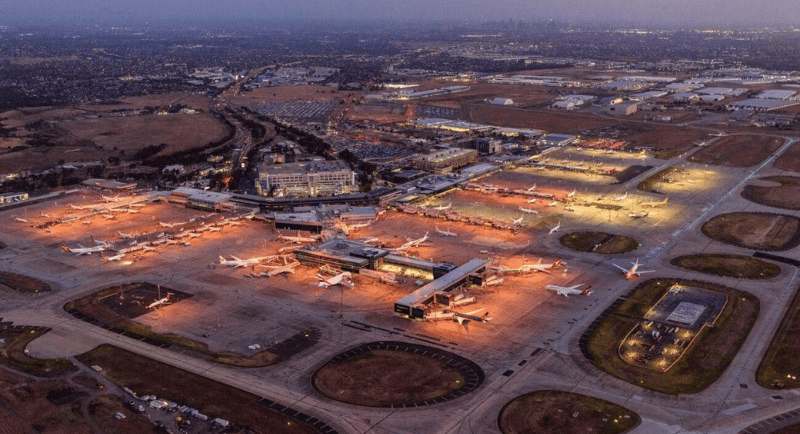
(624, 270)
(645, 271)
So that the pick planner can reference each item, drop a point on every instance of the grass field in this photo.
(22, 283)
(789, 160)
(599, 242)
(786, 196)
(386, 377)
(91, 306)
(737, 151)
(149, 377)
(557, 412)
(758, 231)
(703, 362)
(780, 367)
(744, 267)
(12, 353)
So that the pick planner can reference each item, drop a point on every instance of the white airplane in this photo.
(159, 302)
(634, 271)
(543, 268)
(445, 233)
(517, 221)
(621, 198)
(528, 210)
(532, 200)
(181, 234)
(493, 281)
(342, 278)
(572, 194)
(442, 208)
(369, 240)
(86, 222)
(77, 207)
(44, 215)
(461, 318)
(138, 205)
(566, 291)
(635, 215)
(274, 270)
(116, 257)
(167, 225)
(417, 242)
(553, 203)
(297, 239)
(233, 222)
(532, 188)
(194, 235)
(237, 263)
(124, 235)
(81, 250)
(720, 134)
(656, 204)
(214, 229)
(555, 228)
(110, 198)
(17, 219)
(186, 243)
(132, 211)
(109, 216)
(701, 144)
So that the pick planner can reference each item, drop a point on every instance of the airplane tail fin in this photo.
(586, 291)
(557, 263)
(221, 259)
(65, 248)
(105, 259)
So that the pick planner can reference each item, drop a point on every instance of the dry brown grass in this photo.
(758, 231)
(541, 119)
(787, 195)
(789, 160)
(738, 151)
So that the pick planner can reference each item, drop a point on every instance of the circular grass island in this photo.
(755, 230)
(556, 412)
(598, 242)
(744, 267)
(396, 374)
(22, 283)
(785, 195)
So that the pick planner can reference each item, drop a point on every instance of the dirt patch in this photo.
(149, 377)
(705, 359)
(21, 283)
(668, 141)
(743, 267)
(780, 365)
(599, 242)
(556, 412)
(757, 231)
(542, 119)
(396, 375)
(737, 151)
(789, 160)
(786, 196)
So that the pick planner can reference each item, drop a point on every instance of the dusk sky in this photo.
(660, 12)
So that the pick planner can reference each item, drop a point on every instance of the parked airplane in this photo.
(116, 257)
(124, 235)
(342, 278)
(237, 263)
(167, 225)
(274, 270)
(159, 302)
(634, 271)
(110, 198)
(297, 239)
(417, 242)
(77, 207)
(555, 228)
(528, 210)
(233, 222)
(132, 211)
(81, 250)
(214, 229)
(543, 268)
(656, 204)
(635, 215)
(44, 215)
(17, 219)
(445, 233)
(194, 235)
(553, 203)
(532, 188)
(572, 194)
(720, 134)
(566, 291)
(461, 318)
(701, 144)
(517, 221)
(532, 200)
(621, 198)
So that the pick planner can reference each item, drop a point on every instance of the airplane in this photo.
(296, 240)
(461, 318)
(572, 194)
(181, 234)
(656, 204)
(342, 278)
(237, 263)
(494, 280)
(278, 269)
(159, 302)
(132, 211)
(167, 225)
(214, 229)
(532, 188)
(77, 207)
(634, 271)
(555, 228)
(442, 208)
(86, 222)
(417, 242)
(701, 144)
(109, 216)
(543, 268)
(528, 210)
(110, 198)
(532, 200)
(81, 250)
(720, 134)
(369, 240)
(621, 198)
(186, 243)
(639, 215)
(116, 257)
(194, 235)
(124, 235)
(101, 243)
(553, 203)
(17, 219)
(44, 215)
(517, 221)
(233, 222)
(566, 291)
(445, 233)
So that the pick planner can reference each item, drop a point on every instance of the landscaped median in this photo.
(780, 367)
(743, 267)
(672, 345)
(13, 341)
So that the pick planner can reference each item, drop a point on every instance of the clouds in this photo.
(659, 12)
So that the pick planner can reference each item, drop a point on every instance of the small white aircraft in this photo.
(442, 208)
(297, 239)
(132, 211)
(81, 250)
(701, 144)
(110, 198)
(445, 233)
(517, 221)
(532, 200)
(543, 268)
(417, 242)
(342, 278)
(572, 194)
(553, 203)
(237, 263)
(214, 228)
(720, 134)
(116, 257)
(274, 270)
(566, 291)
(77, 207)
(634, 271)
(17, 219)
(656, 204)
(124, 235)
(194, 234)
(532, 188)
(167, 225)
(159, 302)
(638, 215)
(555, 228)
(528, 210)
(621, 198)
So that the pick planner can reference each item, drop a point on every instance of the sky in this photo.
(722, 13)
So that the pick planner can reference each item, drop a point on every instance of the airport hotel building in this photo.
(312, 178)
